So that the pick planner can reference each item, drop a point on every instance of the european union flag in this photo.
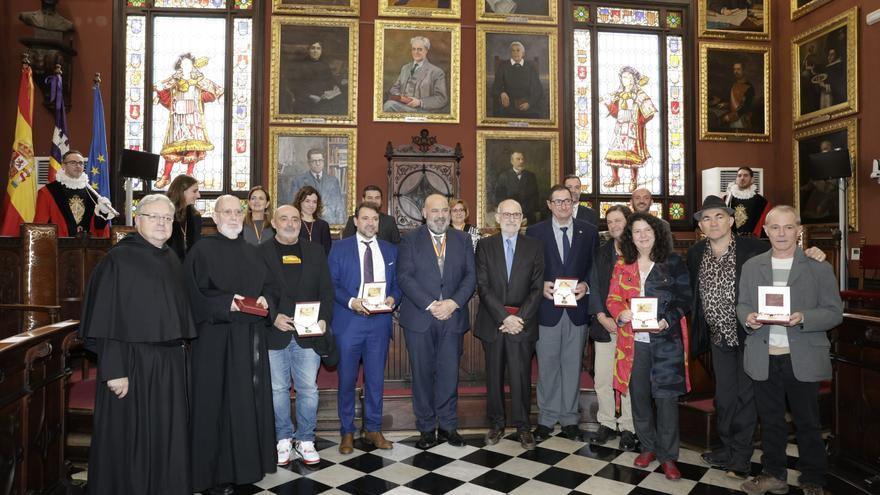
(98, 168)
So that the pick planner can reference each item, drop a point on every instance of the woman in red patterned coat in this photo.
(651, 365)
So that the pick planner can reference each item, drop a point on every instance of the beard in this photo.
(230, 230)
(438, 225)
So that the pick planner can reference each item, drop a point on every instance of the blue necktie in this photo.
(508, 257)
(566, 245)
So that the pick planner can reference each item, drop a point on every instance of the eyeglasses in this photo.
(315, 160)
(155, 218)
(230, 213)
(458, 210)
(511, 216)
(561, 202)
(75, 162)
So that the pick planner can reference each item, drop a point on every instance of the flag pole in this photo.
(129, 194)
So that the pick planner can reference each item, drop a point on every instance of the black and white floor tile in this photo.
(556, 466)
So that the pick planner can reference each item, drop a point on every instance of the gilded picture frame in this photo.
(308, 90)
(349, 8)
(540, 156)
(825, 70)
(438, 9)
(496, 47)
(528, 12)
(290, 150)
(406, 92)
(719, 21)
(735, 92)
(800, 8)
(817, 200)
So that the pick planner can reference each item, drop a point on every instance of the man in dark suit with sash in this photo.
(510, 280)
(437, 276)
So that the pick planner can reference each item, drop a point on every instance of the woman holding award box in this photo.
(650, 364)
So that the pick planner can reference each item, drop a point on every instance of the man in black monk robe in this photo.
(233, 430)
(136, 319)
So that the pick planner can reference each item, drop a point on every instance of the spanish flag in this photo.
(21, 192)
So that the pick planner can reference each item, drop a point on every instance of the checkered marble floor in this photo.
(556, 466)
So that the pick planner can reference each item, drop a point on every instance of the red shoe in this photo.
(644, 459)
(671, 470)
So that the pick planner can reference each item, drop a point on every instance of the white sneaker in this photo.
(306, 450)
(283, 448)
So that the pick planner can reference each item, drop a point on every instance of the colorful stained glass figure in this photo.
(676, 211)
(188, 102)
(629, 127)
(628, 17)
(191, 4)
(581, 14)
(673, 19)
(242, 54)
(675, 115)
(583, 134)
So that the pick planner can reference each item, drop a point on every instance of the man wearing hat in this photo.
(715, 264)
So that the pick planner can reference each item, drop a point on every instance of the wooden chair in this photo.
(869, 263)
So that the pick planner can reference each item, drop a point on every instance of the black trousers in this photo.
(658, 433)
(803, 402)
(516, 357)
(735, 413)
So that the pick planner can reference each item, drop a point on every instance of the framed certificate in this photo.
(305, 319)
(774, 304)
(374, 298)
(563, 293)
(644, 310)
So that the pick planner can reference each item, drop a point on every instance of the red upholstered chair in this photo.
(869, 264)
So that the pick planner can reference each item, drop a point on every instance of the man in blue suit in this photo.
(569, 247)
(437, 276)
(355, 261)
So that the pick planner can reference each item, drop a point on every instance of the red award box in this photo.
(249, 305)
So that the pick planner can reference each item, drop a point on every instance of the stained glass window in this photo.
(629, 95)
(241, 111)
(630, 114)
(189, 98)
(656, 209)
(629, 17)
(191, 4)
(676, 112)
(583, 136)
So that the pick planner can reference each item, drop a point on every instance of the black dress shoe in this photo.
(526, 440)
(223, 489)
(628, 441)
(542, 433)
(572, 432)
(427, 440)
(494, 436)
(603, 435)
(451, 437)
(715, 459)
